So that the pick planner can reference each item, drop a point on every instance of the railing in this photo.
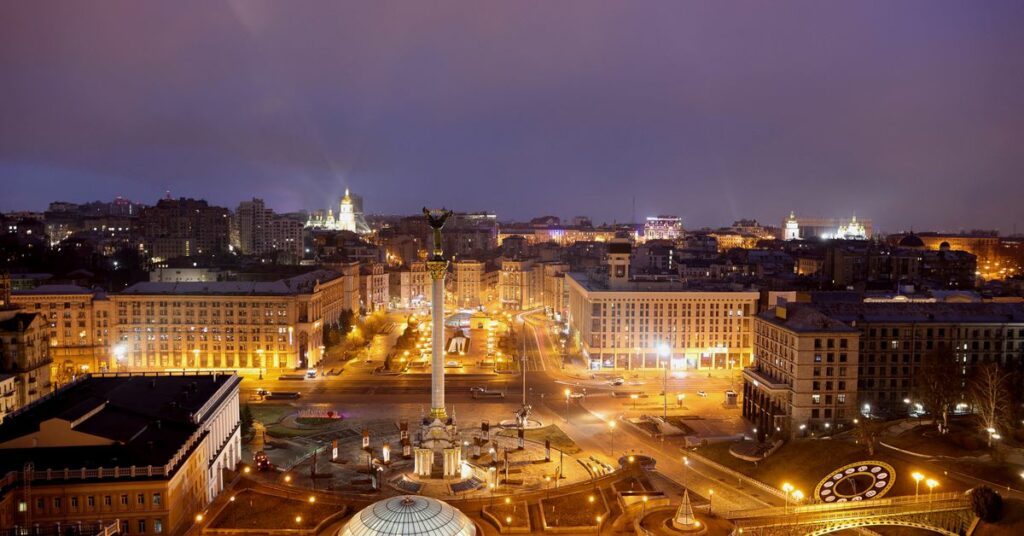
(867, 510)
(111, 529)
(850, 505)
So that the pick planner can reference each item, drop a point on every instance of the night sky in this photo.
(909, 113)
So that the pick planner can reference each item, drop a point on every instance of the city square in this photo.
(463, 268)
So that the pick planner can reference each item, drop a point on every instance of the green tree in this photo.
(986, 504)
(245, 416)
(868, 431)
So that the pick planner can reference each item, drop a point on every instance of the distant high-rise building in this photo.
(260, 231)
(184, 228)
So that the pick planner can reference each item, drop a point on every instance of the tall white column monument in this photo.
(437, 265)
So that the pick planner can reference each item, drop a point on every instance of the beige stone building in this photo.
(148, 451)
(374, 287)
(25, 355)
(804, 380)
(77, 321)
(414, 286)
(622, 323)
(467, 282)
(227, 325)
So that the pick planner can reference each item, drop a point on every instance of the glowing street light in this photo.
(918, 477)
(787, 488)
(931, 483)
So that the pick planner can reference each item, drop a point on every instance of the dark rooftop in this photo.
(299, 284)
(146, 419)
(804, 318)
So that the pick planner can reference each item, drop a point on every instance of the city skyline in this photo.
(526, 111)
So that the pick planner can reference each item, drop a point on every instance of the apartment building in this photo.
(25, 355)
(895, 337)
(77, 326)
(147, 450)
(374, 287)
(467, 283)
(804, 379)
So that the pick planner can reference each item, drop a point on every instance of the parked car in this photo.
(702, 394)
(617, 381)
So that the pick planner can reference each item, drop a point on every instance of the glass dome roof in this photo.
(409, 515)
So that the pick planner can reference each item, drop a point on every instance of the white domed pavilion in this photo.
(409, 515)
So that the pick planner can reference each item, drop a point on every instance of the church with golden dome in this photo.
(349, 218)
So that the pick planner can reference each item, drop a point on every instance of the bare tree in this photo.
(938, 383)
(867, 431)
(989, 395)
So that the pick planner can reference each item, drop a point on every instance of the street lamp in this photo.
(798, 495)
(931, 483)
(918, 477)
(686, 470)
(611, 444)
(711, 495)
(567, 393)
(787, 488)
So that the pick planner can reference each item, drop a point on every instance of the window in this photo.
(142, 526)
(156, 499)
(56, 504)
(140, 499)
(90, 501)
(841, 398)
(22, 506)
(74, 503)
(815, 399)
(158, 526)
(106, 500)
(124, 499)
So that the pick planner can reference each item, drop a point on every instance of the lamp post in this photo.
(686, 470)
(787, 488)
(567, 392)
(663, 351)
(931, 483)
(711, 495)
(918, 477)
(611, 443)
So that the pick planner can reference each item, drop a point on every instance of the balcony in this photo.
(761, 380)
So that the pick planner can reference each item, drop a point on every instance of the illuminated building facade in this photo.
(467, 283)
(810, 228)
(228, 325)
(77, 323)
(350, 217)
(663, 228)
(621, 323)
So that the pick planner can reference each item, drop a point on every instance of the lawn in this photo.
(517, 511)
(553, 433)
(804, 462)
(925, 439)
(270, 413)
(574, 510)
(252, 510)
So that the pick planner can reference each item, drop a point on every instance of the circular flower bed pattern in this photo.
(856, 482)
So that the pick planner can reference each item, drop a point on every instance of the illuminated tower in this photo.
(347, 214)
(792, 231)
